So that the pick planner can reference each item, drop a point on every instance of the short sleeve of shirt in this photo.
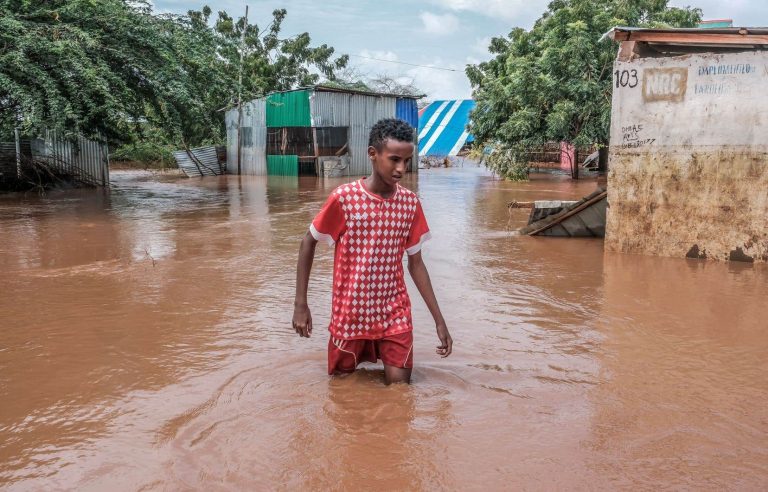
(419, 232)
(330, 223)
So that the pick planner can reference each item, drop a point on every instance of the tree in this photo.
(113, 68)
(91, 68)
(270, 63)
(354, 79)
(387, 84)
(553, 83)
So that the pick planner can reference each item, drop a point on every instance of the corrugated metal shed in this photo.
(288, 109)
(443, 127)
(318, 107)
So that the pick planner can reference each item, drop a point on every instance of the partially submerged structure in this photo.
(443, 127)
(583, 218)
(688, 168)
(202, 161)
(50, 159)
(319, 130)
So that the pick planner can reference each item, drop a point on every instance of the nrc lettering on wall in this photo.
(664, 84)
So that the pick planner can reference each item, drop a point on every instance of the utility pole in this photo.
(240, 95)
(18, 152)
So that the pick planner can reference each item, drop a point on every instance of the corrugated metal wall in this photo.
(8, 165)
(329, 109)
(407, 110)
(359, 113)
(230, 120)
(288, 109)
(254, 151)
(86, 160)
(205, 162)
(364, 112)
(253, 160)
(283, 165)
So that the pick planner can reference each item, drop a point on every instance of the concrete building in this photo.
(688, 166)
(313, 131)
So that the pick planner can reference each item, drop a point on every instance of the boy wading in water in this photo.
(372, 222)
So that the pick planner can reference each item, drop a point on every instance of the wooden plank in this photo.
(691, 38)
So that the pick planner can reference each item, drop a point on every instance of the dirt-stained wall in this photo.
(688, 171)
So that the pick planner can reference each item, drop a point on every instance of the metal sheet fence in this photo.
(204, 161)
(86, 161)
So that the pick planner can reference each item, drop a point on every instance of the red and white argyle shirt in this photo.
(371, 233)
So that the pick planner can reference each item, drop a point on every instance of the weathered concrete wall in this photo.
(688, 172)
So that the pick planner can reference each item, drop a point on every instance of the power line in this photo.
(406, 63)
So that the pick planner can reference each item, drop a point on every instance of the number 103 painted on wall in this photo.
(626, 78)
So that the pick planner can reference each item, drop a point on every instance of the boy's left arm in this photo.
(418, 271)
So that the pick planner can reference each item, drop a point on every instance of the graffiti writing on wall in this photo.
(632, 137)
(711, 89)
(732, 69)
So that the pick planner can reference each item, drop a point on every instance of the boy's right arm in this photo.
(302, 319)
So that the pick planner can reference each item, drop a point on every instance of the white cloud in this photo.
(380, 55)
(481, 45)
(511, 10)
(441, 84)
(743, 12)
(435, 83)
(368, 63)
(439, 24)
(471, 60)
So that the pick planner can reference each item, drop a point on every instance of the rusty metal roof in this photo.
(730, 38)
(328, 88)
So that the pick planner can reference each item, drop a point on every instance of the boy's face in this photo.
(392, 160)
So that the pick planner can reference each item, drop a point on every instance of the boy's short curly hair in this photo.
(393, 128)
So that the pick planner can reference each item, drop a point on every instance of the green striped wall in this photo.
(288, 109)
(283, 165)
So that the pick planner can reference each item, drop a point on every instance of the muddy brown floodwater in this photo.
(146, 345)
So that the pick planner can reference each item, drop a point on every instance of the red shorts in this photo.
(345, 355)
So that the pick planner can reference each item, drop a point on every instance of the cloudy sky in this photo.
(447, 34)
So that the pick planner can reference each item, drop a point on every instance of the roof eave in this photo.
(749, 36)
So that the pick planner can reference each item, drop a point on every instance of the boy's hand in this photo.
(302, 320)
(446, 342)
